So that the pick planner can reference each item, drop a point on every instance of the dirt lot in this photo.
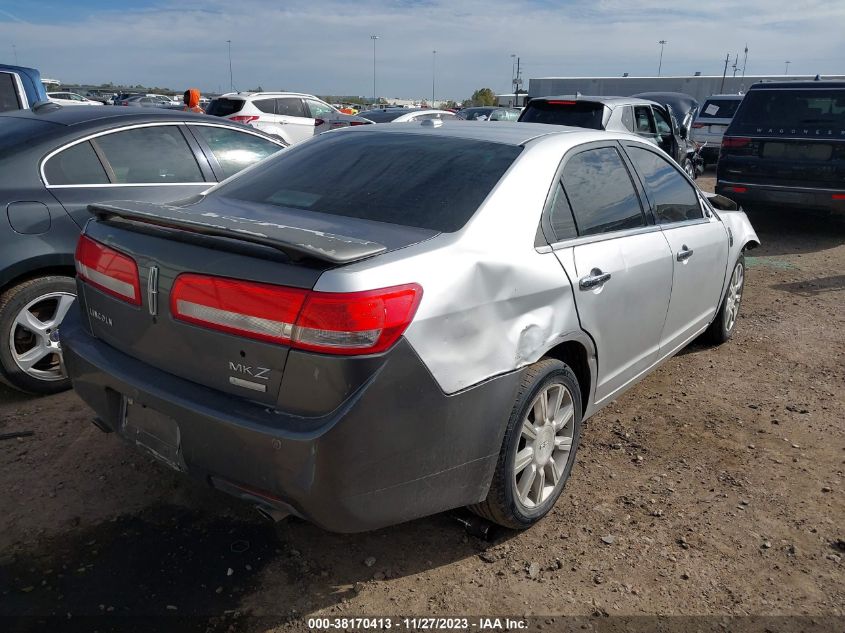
(713, 487)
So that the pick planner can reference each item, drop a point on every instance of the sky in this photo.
(324, 46)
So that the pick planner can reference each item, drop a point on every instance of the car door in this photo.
(153, 163)
(666, 133)
(296, 124)
(697, 239)
(620, 264)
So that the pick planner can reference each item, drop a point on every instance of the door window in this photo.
(8, 93)
(628, 118)
(157, 154)
(560, 216)
(233, 149)
(643, 120)
(77, 165)
(290, 106)
(664, 128)
(601, 192)
(672, 196)
(318, 110)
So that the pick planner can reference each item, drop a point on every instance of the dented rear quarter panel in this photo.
(492, 303)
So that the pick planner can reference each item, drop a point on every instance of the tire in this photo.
(689, 168)
(724, 323)
(505, 504)
(36, 332)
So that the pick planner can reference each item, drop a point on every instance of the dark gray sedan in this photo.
(54, 161)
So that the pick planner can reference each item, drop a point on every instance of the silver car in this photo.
(428, 330)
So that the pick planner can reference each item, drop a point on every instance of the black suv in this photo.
(786, 146)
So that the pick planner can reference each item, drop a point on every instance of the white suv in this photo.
(290, 116)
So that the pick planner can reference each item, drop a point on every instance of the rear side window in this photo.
(799, 111)
(564, 112)
(145, 155)
(77, 165)
(408, 179)
(290, 106)
(560, 215)
(719, 108)
(628, 118)
(673, 197)
(224, 107)
(8, 93)
(233, 149)
(267, 106)
(601, 193)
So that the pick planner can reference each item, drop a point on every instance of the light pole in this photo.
(660, 65)
(513, 75)
(433, 74)
(231, 81)
(786, 72)
(374, 38)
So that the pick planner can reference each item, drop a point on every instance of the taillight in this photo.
(243, 118)
(360, 122)
(318, 122)
(254, 310)
(737, 189)
(559, 102)
(334, 323)
(108, 270)
(697, 125)
(356, 322)
(838, 196)
(735, 141)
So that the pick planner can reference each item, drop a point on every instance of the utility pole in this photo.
(745, 61)
(374, 38)
(517, 83)
(231, 81)
(513, 76)
(725, 72)
(433, 71)
(786, 72)
(660, 65)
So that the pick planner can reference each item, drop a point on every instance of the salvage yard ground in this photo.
(715, 486)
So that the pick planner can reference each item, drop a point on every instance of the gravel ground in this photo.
(714, 487)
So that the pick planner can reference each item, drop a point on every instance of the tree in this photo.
(483, 97)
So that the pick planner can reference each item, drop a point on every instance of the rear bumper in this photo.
(398, 448)
(807, 198)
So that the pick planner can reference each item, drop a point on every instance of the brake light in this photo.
(838, 196)
(243, 118)
(737, 189)
(108, 270)
(359, 122)
(735, 141)
(318, 122)
(334, 323)
(559, 102)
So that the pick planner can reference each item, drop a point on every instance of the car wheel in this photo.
(538, 449)
(689, 168)
(30, 315)
(724, 324)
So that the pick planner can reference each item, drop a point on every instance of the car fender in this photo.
(741, 234)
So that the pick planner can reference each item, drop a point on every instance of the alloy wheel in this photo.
(34, 337)
(734, 296)
(544, 445)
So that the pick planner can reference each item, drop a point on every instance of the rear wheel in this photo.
(724, 324)
(30, 315)
(539, 447)
(689, 168)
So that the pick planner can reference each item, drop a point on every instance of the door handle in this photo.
(684, 254)
(595, 279)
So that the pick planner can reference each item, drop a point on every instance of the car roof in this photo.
(80, 115)
(611, 102)
(505, 132)
(734, 96)
(249, 95)
(817, 83)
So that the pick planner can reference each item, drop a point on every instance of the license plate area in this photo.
(153, 432)
(791, 151)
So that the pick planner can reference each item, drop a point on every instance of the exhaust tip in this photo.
(272, 514)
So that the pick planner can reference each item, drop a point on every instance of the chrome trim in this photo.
(152, 290)
(731, 183)
(133, 127)
(247, 384)
(601, 237)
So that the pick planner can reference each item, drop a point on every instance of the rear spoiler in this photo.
(295, 242)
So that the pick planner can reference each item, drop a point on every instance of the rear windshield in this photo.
(224, 107)
(474, 114)
(379, 116)
(562, 112)
(429, 182)
(719, 108)
(805, 111)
